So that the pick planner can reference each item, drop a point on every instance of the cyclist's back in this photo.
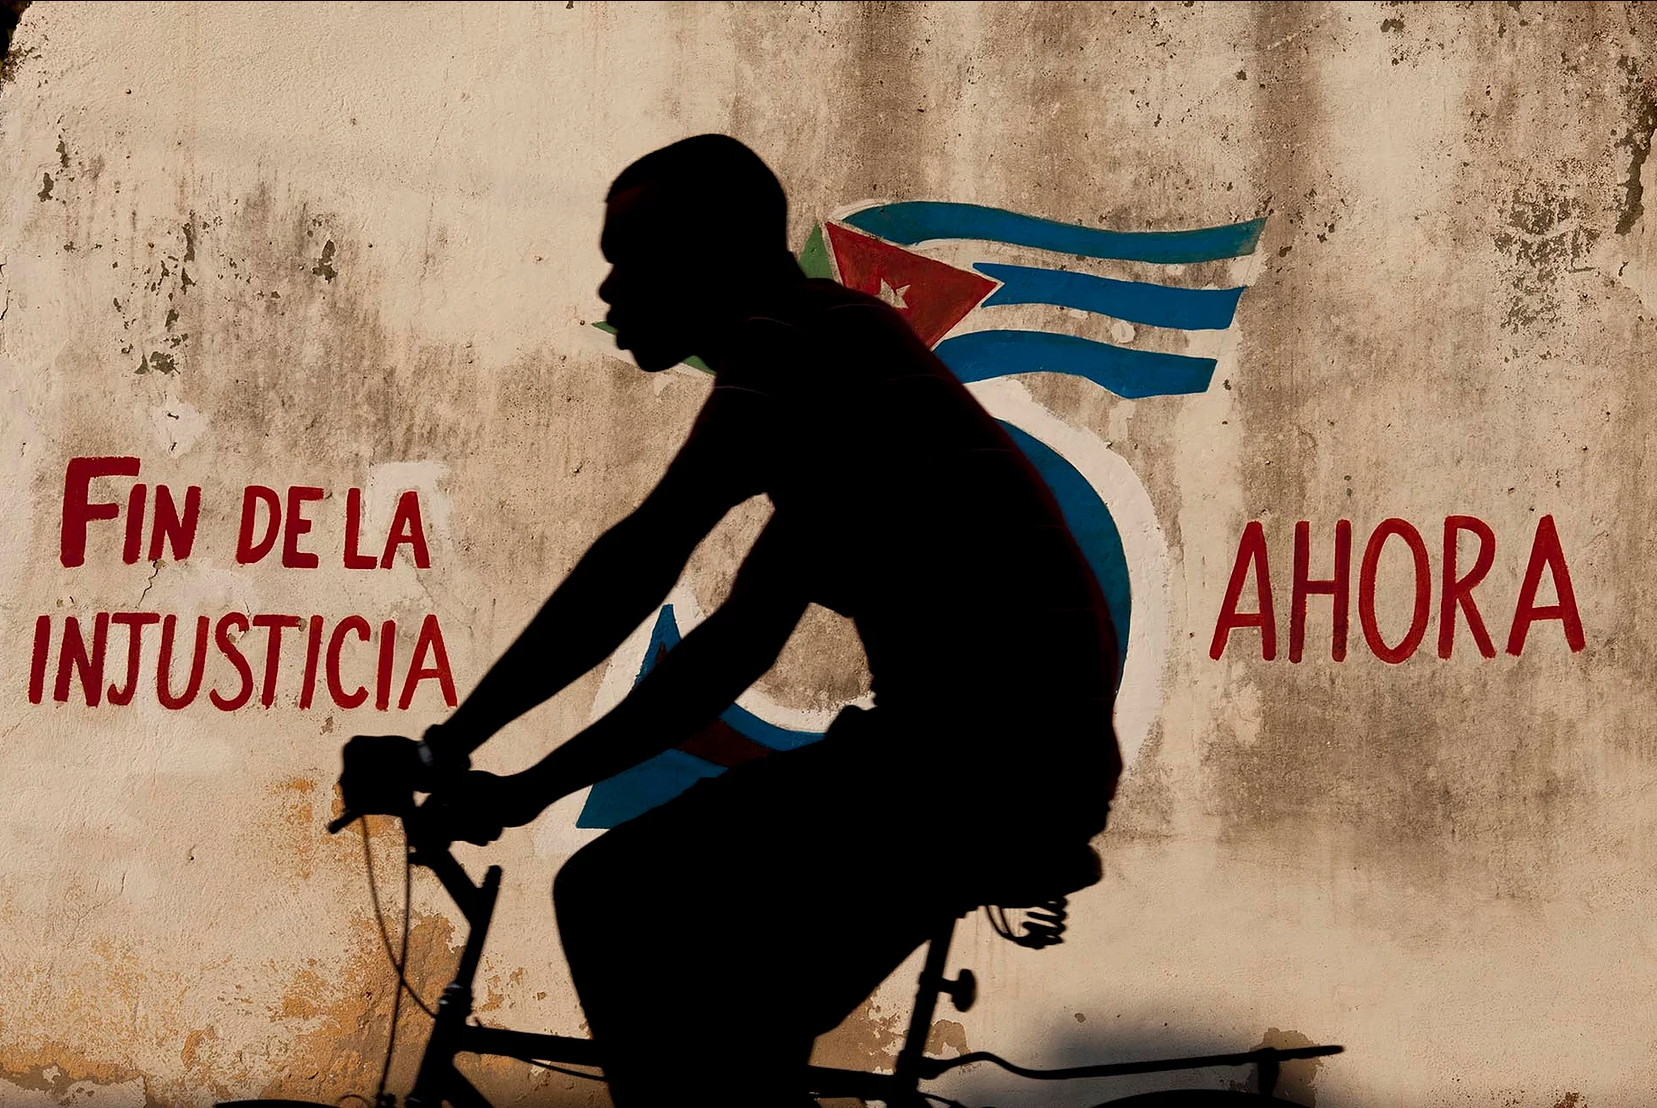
(915, 515)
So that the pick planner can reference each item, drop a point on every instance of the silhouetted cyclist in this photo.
(713, 938)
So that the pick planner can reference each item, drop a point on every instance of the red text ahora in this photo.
(1456, 583)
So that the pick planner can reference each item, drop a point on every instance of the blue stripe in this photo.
(632, 792)
(1134, 301)
(664, 635)
(915, 221)
(768, 735)
(1129, 373)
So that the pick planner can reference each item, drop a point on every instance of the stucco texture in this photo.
(356, 246)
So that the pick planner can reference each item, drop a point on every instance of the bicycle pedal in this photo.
(963, 990)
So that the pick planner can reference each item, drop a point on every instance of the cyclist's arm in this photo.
(623, 576)
(693, 682)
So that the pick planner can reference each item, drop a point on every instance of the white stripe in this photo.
(1226, 273)
(1090, 325)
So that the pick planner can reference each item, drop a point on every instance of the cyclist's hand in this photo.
(476, 806)
(381, 774)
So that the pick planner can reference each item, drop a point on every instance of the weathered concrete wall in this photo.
(355, 246)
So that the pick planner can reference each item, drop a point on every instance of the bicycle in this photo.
(1043, 893)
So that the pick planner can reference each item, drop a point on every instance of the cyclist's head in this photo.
(718, 188)
(691, 231)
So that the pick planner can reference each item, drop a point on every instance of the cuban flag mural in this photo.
(1146, 316)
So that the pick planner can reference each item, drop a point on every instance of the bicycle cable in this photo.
(398, 961)
(379, 919)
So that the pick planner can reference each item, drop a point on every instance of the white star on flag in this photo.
(893, 296)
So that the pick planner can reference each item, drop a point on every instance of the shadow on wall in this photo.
(985, 1085)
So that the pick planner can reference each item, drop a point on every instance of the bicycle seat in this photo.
(1044, 878)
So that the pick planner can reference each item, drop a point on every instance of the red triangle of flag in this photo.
(932, 296)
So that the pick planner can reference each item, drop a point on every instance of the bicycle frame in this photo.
(438, 1081)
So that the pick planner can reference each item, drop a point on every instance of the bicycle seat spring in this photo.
(1043, 924)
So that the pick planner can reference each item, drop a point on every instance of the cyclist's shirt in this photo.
(901, 504)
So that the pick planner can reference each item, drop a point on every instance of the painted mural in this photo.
(996, 293)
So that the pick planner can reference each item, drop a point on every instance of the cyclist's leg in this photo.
(712, 939)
